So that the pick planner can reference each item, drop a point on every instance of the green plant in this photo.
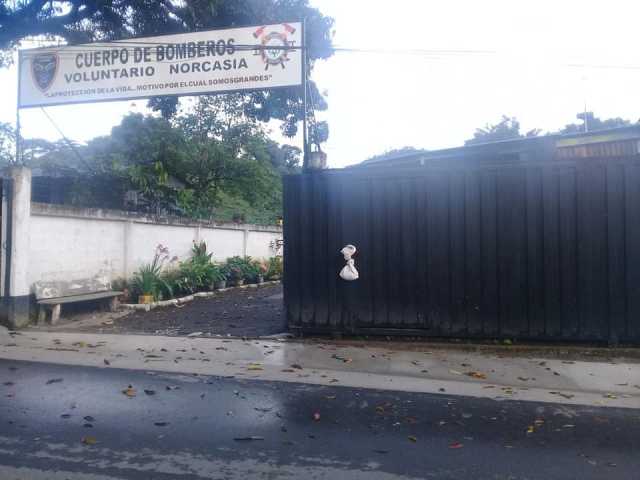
(274, 268)
(242, 269)
(199, 253)
(149, 280)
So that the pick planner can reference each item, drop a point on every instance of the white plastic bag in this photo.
(349, 271)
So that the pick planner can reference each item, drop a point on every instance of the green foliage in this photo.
(149, 279)
(593, 123)
(197, 274)
(242, 268)
(7, 143)
(274, 268)
(508, 128)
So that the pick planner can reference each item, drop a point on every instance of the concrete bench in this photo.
(52, 295)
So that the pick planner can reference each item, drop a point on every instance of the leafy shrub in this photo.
(198, 273)
(149, 279)
(274, 268)
(242, 268)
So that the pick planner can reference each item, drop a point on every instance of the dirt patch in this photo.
(250, 312)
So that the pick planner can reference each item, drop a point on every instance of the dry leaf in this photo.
(478, 375)
(129, 391)
(89, 440)
(412, 438)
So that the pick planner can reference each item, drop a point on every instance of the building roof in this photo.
(615, 142)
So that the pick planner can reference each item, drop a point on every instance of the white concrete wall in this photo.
(71, 243)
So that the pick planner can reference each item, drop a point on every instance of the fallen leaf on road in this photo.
(412, 438)
(456, 445)
(568, 396)
(530, 429)
(455, 372)
(246, 439)
(54, 380)
(610, 395)
(129, 391)
(107, 362)
(150, 392)
(342, 359)
(255, 366)
(523, 379)
(478, 375)
(89, 440)
(89, 418)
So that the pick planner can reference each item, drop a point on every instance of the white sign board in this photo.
(214, 61)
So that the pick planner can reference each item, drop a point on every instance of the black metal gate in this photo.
(544, 250)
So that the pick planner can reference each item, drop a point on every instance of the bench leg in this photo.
(113, 304)
(42, 315)
(55, 314)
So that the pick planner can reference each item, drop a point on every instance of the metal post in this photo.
(17, 158)
(305, 143)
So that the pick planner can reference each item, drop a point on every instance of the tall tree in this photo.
(77, 21)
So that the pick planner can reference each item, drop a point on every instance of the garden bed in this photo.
(238, 312)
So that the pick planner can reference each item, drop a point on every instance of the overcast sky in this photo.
(507, 57)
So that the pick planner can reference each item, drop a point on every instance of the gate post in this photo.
(15, 243)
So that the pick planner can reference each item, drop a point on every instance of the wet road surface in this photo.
(105, 423)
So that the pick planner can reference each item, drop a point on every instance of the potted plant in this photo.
(148, 280)
(274, 269)
(261, 270)
(218, 278)
(236, 276)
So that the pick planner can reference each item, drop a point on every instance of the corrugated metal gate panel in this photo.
(546, 250)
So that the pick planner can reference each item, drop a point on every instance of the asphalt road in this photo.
(194, 427)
